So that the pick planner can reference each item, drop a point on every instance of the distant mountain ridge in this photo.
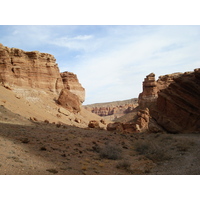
(113, 110)
(114, 103)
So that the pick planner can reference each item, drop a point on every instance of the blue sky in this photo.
(111, 61)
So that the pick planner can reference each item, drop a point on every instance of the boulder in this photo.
(93, 124)
(69, 101)
(115, 126)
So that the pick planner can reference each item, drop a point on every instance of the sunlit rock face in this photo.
(25, 72)
(71, 82)
(29, 69)
(173, 100)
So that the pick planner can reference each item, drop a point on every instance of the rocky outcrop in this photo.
(178, 105)
(93, 124)
(174, 101)
(143, 119)
(71, 83)
(150, 91)
(164, 81)
(140, 124)
(26, 72)
(69, 101)
(29, 69)
(113, 109)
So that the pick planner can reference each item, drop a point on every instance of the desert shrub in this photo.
(152, 150)
(110, 151)
(53, 171)
(124, 164)
(184, 145)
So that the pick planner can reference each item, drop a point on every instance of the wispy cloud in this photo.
(112, 61)
(78, 42)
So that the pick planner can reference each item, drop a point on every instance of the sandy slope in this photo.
(42, 106)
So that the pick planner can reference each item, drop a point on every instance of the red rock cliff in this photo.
(35, 70)
(113, 109)
(174, 101)
(29, 69)
(178, 105)
(71, 83)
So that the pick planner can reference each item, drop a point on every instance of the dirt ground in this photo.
(38, 148)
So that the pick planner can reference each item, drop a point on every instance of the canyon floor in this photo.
(38, 148)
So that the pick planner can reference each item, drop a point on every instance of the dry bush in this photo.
(183, 144)
(124, 164)
(153, 150)
(110, 151)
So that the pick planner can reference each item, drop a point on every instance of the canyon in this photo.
(113, 110)
(45, 129)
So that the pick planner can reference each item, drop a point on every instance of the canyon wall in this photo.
(29, 69)
(174, 101)
(71, 83)
(113, 110)
(25, 72)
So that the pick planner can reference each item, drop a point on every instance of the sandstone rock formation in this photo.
(173, 100)
(29, 69)
(71, 82)
(69, 101)
(140, 124)
(115, 126)
(143, 119)
(164, 81)
(113, 110)
(93, 124)
(178, 105)
(150, 90)
(29, 72)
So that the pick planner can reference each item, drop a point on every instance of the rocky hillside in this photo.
(173, 100)
(31, 85)
(113, 110)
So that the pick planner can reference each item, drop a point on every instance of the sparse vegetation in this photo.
(153, 150)
(184, 145)
(123, 164)
(110, 151)
(53, 171)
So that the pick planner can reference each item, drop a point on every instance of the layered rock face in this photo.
(178, 105)
(176, 101)
(164, 81)
(150, 91)
(29, 69)
(69, 101)
(71, 83)
(151, 88)
(116, 111)
(24, 71)
(140, 124)
(113, 110)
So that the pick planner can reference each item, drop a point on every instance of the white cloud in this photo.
(112, 61)
(73, 43)
(118, 73)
